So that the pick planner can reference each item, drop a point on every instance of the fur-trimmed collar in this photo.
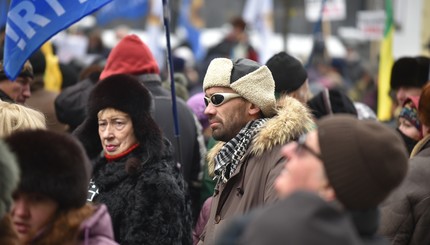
(292, 120)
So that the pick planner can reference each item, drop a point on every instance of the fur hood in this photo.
(292, 120)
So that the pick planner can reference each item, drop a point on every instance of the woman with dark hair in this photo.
(135, 174)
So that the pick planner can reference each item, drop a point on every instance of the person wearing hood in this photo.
(135, 174)
(49, 205)
(244, 118)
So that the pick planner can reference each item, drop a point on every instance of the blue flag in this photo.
(123, 9)
(31, 23)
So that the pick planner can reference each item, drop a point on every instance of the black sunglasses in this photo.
(301, 145)
(218, 99)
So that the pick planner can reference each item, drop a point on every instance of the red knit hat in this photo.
(130, 56)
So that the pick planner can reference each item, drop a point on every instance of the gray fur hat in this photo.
(9, 177)
(252, 81)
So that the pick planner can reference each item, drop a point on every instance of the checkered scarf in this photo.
(232, 152)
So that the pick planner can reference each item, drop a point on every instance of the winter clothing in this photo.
(361, 174)
(410, 72)
(245, 77)
(143, 190)
(251, 185)
(132, 56)
(302, 218)
(53, 164)
(9, 177)
(288, 73)
(335, 102)
(126, 94)
(88, 225)
(97, 229)
(197, 105)
(405, 215)
(71, 103)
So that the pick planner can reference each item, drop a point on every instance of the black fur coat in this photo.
(148, 203)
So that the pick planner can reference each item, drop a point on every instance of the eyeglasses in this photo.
(218, 99)
(301, 145)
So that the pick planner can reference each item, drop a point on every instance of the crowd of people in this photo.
(254, 154)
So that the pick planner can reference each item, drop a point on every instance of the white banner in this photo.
(333, 10)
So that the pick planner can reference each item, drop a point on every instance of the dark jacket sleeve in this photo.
(71, 103)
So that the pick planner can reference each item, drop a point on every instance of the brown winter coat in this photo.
(251, 185)
(405, 215)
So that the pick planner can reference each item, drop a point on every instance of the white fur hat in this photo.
(252, 81)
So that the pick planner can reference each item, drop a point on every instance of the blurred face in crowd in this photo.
(409, 129)
(31, 213)
(18, 90)
(403, 92)
(227, 112)
(304, 169)
(115, 131)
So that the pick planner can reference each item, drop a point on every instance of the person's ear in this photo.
(327, 193)
(253, 110)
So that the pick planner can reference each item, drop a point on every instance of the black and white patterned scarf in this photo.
(232, 152)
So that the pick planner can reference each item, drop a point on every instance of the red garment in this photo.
(123, 59)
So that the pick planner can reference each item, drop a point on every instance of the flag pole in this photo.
(166, 20)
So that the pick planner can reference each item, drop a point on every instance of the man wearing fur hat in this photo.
(17, 91)
(241, 107)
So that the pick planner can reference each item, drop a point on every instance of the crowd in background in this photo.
(254, 153)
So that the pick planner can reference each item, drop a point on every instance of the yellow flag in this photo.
(53, 77)
(385, 64)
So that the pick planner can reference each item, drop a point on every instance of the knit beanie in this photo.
(26, 71)
(130, 56)
(364, 160)
(339, 103)
(197, 105)
(9, 177)
(249, 79)
(53, 164)
(288, 73)
(410, 72)
(410, 111)
(126, 94)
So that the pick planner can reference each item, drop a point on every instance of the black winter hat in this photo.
(53, 164)
(124, 93)
(288, 73)
(364, 160)
(339, 103)
(38, 61)
(410, 72)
